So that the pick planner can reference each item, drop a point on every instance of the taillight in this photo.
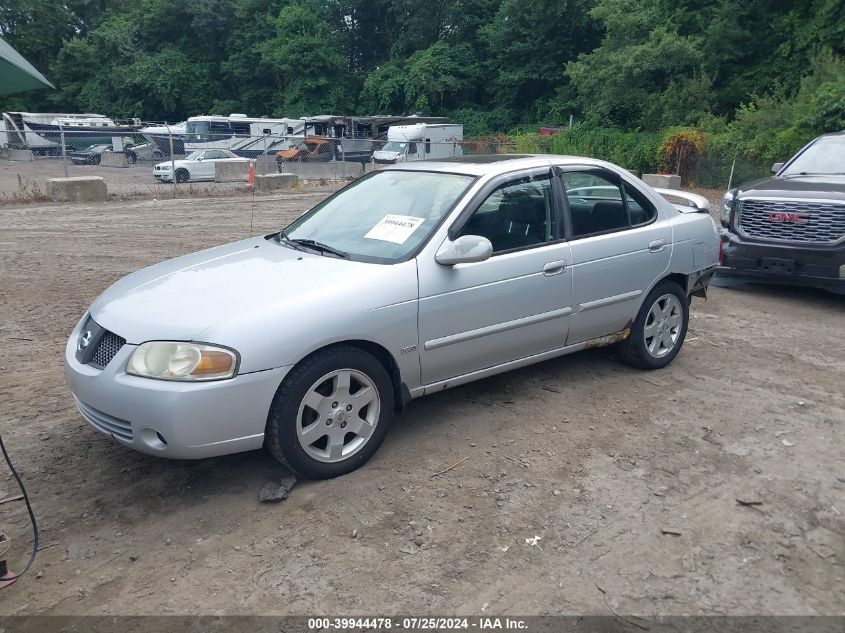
(721, 252)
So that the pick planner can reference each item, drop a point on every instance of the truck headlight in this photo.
(190, 362)
(726, 209)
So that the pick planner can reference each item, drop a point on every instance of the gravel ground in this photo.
(594, 458)
(27, 182)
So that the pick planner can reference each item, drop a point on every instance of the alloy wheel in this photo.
(663, 325)
(338, 415)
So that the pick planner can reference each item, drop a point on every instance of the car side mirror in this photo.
(464, 250)
(777, 167)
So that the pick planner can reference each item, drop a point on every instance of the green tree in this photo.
(529, 43)
(306, 62)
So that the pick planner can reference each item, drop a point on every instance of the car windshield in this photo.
(193, 155)
(383, 216)
(825, 156)
(394, 146)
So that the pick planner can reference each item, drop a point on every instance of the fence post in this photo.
(731, 177)
(64, 149)
(172, 160)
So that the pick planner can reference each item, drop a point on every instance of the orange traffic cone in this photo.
(250, 179)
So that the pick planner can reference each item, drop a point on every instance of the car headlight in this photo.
(189, 362)
(727, 207)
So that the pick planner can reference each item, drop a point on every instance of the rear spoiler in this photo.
(692, 202)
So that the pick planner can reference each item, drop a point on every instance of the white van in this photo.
(421, 141)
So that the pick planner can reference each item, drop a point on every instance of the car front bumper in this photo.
(180, 420)
(746, 261)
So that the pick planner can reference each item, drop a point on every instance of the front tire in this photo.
(182, 175)
(659, 330)
(331, 413)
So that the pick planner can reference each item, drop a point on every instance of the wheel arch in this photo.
(685, 281)
(401, 394)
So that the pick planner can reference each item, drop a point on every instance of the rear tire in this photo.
(331, 413)
(659, 330)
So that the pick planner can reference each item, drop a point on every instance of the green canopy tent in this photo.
(17, 74)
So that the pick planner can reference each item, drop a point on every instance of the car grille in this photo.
(108, 347)
(103, 422)
(792, 220)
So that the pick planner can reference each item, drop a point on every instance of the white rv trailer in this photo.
(356, 134)
(246, 136)
(421, 141)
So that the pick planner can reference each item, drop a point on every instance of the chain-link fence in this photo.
(167, 155)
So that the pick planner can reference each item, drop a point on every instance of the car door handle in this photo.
(656, 246)
(554, 268)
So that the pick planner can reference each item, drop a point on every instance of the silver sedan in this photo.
(410, 280)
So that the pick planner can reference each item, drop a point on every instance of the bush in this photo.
(680, 152)
(636, 150)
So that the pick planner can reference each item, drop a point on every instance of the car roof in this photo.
(491, 164)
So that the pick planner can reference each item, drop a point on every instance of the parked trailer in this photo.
(420, 142)
(246, 136)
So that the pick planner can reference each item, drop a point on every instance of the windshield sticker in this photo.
(395, 228)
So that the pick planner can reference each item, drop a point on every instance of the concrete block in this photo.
(113, 159)
(77, 189)
(329, 170)
(269, 182)
(16, 154)
(266, 165)
(664, 181)
(231, 172)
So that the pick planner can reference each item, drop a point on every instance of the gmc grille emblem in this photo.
(782, 216)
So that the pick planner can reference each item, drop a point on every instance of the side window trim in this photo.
(493, 185)
(643, 199)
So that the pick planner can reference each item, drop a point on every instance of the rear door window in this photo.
(640, 210)
(595, 202)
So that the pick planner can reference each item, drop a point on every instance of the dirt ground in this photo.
(593, 457)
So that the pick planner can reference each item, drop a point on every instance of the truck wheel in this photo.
(658, 332)
(131, 158)
(331, 413)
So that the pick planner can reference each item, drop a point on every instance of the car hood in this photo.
(177, 163)
(819, 187)
(244, 282)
